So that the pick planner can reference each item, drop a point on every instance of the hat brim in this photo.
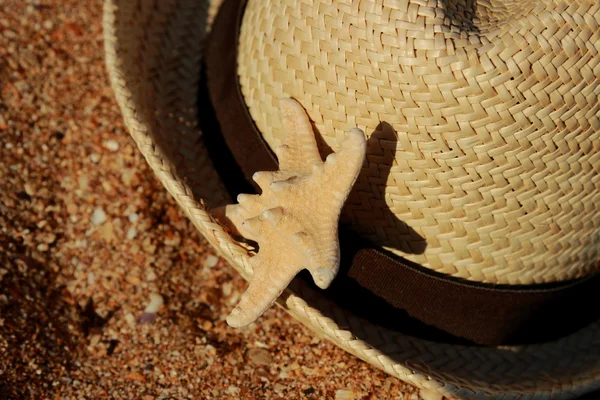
(153, 55)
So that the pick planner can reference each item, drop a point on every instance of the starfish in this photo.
(295, 218)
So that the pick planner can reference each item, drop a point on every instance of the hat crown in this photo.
(483, 142)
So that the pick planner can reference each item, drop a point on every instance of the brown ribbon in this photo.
(385, 289)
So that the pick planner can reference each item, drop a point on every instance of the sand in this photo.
(106, 289)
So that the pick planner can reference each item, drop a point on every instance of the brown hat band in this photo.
(387, 290)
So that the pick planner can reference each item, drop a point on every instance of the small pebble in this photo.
(95, 158)
(235, 297)
(98, 216)
(134, 280)
(111, 145)
(127, 176)
(130, 319)
(156, 302)
(211, 261)
(29, 189)
(83, 182)
(344, 394)
(133, 217)
(49, 238)
(387, 383)
(107, 232)
(278, 388)
(136, 376)
(131, 233)
(233, 389)
(211, 349)
(226, 288)
(172, 240)
(147, 318)
(151, 276)
(260, 356)
(94, 340)
(207, 325)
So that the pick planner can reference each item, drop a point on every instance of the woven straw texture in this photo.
(493, 168)
(152, 54)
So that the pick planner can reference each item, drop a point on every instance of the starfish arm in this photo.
(342, 168)
(267, 283)
(300, 152)
(325, 271)
(325, 262)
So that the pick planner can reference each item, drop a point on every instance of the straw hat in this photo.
(469, 242)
